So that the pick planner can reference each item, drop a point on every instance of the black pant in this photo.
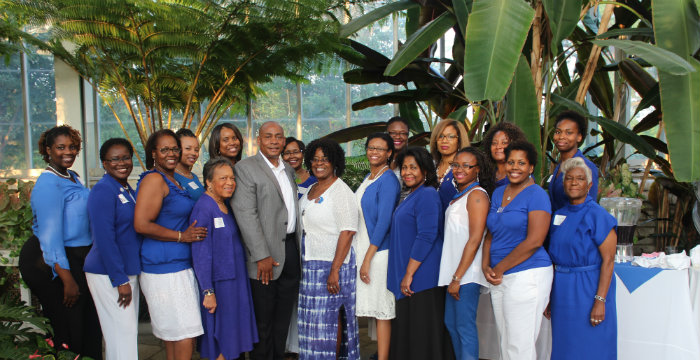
(78, 327)
(274, 304)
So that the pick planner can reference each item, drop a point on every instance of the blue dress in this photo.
(447, 190)
(556, 184)
(193, 186)
(219, 264)
(574, 244)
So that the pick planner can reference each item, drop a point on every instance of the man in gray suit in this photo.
(266, 211)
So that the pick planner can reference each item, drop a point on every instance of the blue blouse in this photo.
(303, 188)
(415, 234)
(163, 257)
(60, 214)
(447, 190)
(508, 226)
(116, 245)
(556, 185)
(502, 182)
(193, 186)
(378, 203)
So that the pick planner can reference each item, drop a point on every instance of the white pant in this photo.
(120, 326)
(518, 303)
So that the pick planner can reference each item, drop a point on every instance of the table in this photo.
(656, 321)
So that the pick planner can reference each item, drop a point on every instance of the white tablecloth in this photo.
(655, 322)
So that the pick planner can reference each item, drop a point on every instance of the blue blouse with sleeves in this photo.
(508, 226)
(556, 185)
(60, 214)
(303, 187)
(214, 258)
(415, 234)
(193, 186)
(116, 245)
(163, 257)
(447, 190)
(378, 203)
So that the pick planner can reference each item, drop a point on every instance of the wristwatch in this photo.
(208, 292)
(599, 298)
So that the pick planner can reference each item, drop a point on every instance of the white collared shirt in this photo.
(288, 193)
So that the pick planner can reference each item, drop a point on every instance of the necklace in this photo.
(59, 173)
(216, 198)
(374, 176)
(181, 173)
(471, 186)
(518, 190)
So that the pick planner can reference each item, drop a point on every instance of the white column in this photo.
(69, 108)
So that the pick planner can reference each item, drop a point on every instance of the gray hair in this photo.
(213, 164)
(577, 162)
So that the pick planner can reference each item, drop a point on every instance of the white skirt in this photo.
(173, 303)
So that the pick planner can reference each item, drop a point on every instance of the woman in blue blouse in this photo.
(113, 264)
(447, 138)
(569, 129)
(51, 262)
(183, 172)
(496, 141)
(582, 244)
(167, 279)
(377, 197)
(415, 247)
(219, 263)
(293, 155)
(514, 261)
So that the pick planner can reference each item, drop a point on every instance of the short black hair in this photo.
(574, 116)
(151, 145)
(387, 139)
(291, 139)
(525, 146)
(424, 161)
(512, 131)
(49, 136)
(215, 139)
(107, 145)
(185, 132)
(332, 151)
(487, 172)
(399, 119)
(213, 164)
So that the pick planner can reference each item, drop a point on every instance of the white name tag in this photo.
(558, 219)
(218, 222)
(193, 185)
(549, 179)
(122, 198)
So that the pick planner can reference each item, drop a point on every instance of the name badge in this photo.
(122, 198)
(218, 222)
(558, 219)
(193, 185)
(549, 179)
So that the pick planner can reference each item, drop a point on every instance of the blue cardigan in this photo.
(378, 203)
(116, 245)
(416, 234)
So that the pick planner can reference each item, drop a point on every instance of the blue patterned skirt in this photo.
(319, 310)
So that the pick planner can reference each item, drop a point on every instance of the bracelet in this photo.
(126, 283)
(599, 298)
(208, 292)
(179, 236)
(455, 278)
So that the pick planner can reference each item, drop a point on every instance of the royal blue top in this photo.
(164, 257)
(447, 190)
(214, 258)
(556, 185)
(415, 234)
(116, 246)
(59, 207)
(378, 203)
(508, 226)
(502, 182)
(303, 188)
(193, 186)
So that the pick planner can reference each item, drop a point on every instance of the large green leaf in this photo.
(615, 129)
(461, 9)
(663, 59)
(374, 15)
(563, 17)
(395, 98)
(409, 111)
(521, 103)
(635, 75)
(419, 41)
(641, 31)
(677, 28)
(356, 132)
(651, 98)
(496, 33)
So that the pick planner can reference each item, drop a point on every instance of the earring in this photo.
(208, 188)
(477, 177)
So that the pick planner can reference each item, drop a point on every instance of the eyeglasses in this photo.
(320, 161)
(457, 166)
(293, 152)
(116, 160)
(398, 133)
(449, 137)
(372, 148)
(165, 150)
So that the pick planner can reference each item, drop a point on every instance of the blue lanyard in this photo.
(465, 190)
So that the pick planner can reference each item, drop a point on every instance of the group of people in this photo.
(275, 253)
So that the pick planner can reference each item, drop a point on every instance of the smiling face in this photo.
(118, 163)
(576, 184)
(62, 153)
(190, 150)
(518, 168)
(223, 182)
(399, 133)
(293, 155)
(271, 140)
(411, 173)
(566, 136)
(229, 144)
(448, 141)
(378, 152)
(166, 154)
(499, 143)
(320, 166)
(467, 171)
